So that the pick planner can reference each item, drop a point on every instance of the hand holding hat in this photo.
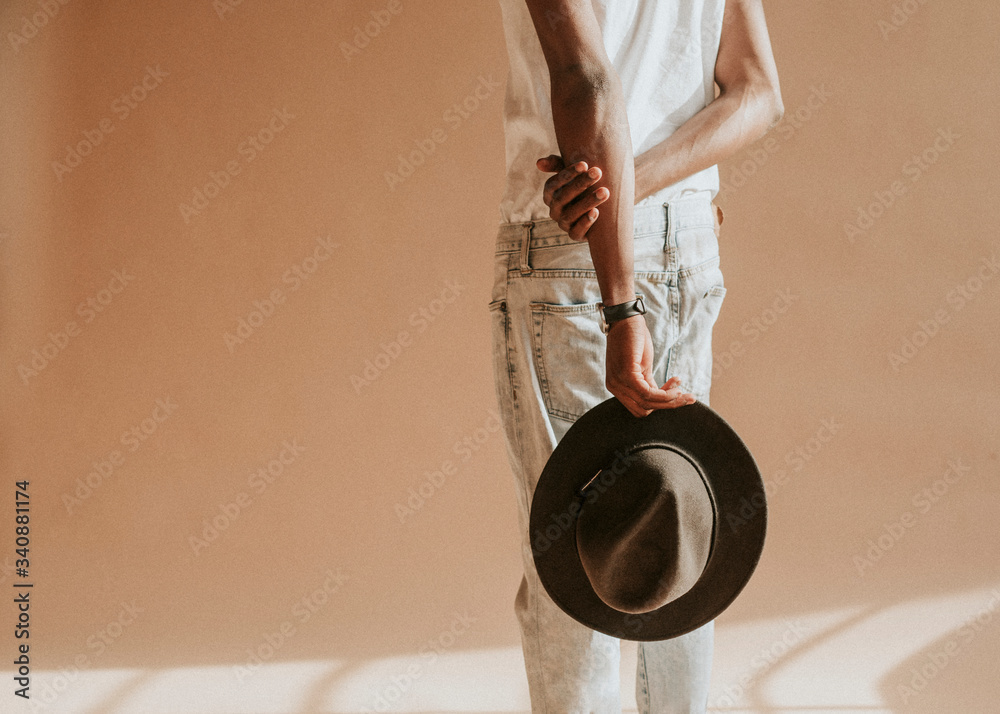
(633, 521)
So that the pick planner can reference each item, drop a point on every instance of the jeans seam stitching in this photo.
(645, 705)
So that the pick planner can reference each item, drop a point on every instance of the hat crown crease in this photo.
(645, 540)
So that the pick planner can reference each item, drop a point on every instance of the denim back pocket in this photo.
(569, 350)
(569, 356)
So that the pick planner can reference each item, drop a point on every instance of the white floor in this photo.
(827, 662)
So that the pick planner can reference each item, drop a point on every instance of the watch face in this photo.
(604, 321)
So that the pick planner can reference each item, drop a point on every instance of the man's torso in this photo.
(663, 51)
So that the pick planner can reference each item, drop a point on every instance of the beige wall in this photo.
(303, 225)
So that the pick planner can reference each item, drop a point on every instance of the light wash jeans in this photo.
(548, 359)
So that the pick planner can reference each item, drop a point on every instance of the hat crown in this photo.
(645, 529)
(603, 437)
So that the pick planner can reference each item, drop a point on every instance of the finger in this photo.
(576, 209)
(577, 198)
(578, 231)
(648, 397)
(576, 184)
(572, 171)
(554, 183)
(680, 399)
(635, 388)
(674, 386)
(547, 190)
(631, 405)
(675, 392)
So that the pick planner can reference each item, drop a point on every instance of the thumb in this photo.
(647, 374)
(552, 162)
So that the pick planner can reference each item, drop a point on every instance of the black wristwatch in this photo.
(610, 314)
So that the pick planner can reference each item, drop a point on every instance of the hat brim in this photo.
(594, 442)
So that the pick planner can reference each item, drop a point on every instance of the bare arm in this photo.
(588, 111)
(748, 105)
(588, 114)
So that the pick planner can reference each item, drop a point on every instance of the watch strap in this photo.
(611, 314)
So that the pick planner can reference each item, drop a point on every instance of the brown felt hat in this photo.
(647, 528)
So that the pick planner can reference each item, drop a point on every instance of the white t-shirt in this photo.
(664, 52)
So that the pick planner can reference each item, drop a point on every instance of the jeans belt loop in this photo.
(667, 233)
(525, 247)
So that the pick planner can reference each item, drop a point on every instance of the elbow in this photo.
(765, 94)
(757, 98)
(581, 79)
(760, 103)
(774, 108)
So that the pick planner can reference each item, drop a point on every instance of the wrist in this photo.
(619, 294)
(630, 321)
(619, 312)
(645, 179)
(640, 178)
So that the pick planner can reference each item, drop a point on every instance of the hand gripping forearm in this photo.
(588, 112)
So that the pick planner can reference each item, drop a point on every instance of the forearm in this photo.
(733, 121)
(588, 111)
